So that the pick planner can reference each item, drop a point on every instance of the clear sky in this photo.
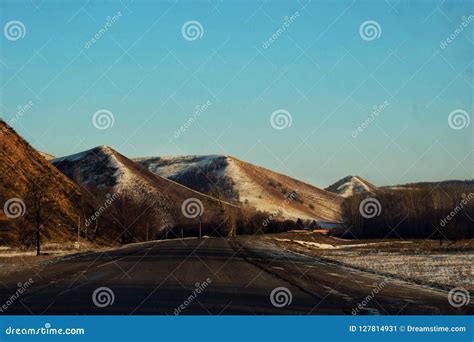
(320, 67)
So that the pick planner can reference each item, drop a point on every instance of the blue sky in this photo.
(319, 69)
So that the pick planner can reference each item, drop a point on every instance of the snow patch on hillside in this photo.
(173, 167)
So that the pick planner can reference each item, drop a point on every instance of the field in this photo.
(423, 262)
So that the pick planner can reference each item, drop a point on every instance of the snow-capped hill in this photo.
(98, 167)
(205, 174)
(104, 168)
(231, 179)
(351, 185)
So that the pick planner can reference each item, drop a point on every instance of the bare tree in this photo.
(135, 220)
(38, 204)
(227, 211)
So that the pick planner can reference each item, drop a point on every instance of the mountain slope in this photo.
(21, 168)
(233, 180)
(47, 156)
(351, 185)
(106, 169)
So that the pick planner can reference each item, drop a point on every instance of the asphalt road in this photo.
(234, 276)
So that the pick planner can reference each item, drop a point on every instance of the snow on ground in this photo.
(445, 269)
(172, 167)
(251, 192)
(248, 190)
(309, 243)
(430, 265)
(328, 246)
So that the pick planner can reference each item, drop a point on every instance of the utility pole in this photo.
(78, 231)
(200, 226)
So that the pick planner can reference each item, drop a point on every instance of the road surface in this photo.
(234, 276)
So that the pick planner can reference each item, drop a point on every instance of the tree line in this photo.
(444, 212)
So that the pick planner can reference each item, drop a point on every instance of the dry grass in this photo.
(419, 261)
(15, 259)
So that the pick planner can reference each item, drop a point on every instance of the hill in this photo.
(248, 185)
